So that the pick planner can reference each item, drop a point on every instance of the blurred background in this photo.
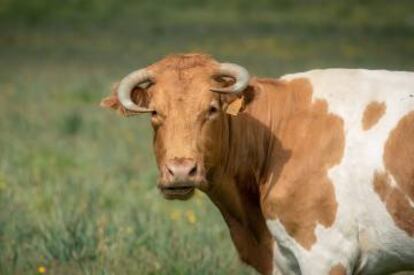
(77, 183)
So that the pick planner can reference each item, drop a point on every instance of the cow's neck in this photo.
(247, 153)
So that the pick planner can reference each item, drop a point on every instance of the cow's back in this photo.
(374, 179)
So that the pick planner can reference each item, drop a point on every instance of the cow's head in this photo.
(187, 97)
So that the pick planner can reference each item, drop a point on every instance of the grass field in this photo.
(77, 183)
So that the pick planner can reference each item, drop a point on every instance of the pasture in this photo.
(77, 183)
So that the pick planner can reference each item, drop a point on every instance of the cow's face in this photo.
(186, 115)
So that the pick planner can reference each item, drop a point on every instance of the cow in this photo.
(312, 172)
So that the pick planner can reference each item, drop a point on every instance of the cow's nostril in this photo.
(193, 171)
(170, 171)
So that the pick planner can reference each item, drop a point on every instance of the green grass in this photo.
(77, 183)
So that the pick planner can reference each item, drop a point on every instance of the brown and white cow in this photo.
(313, 172)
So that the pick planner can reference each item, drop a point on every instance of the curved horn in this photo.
(240, 74)
(127, 84)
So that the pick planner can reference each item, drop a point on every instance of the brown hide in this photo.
(372, 114)
(399, 163)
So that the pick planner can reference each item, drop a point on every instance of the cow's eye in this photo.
(154, 113)
(212, 110)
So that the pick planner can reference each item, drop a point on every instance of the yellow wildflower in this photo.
(41, 269)
(175, 215)
(191, 217)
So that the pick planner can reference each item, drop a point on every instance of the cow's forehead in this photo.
(183, 80)
(190, 84)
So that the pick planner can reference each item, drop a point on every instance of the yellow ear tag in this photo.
(235, 107)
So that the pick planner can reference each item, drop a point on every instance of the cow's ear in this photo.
(139, 96)
(235, 104)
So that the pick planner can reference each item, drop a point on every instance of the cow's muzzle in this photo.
(179, 178)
